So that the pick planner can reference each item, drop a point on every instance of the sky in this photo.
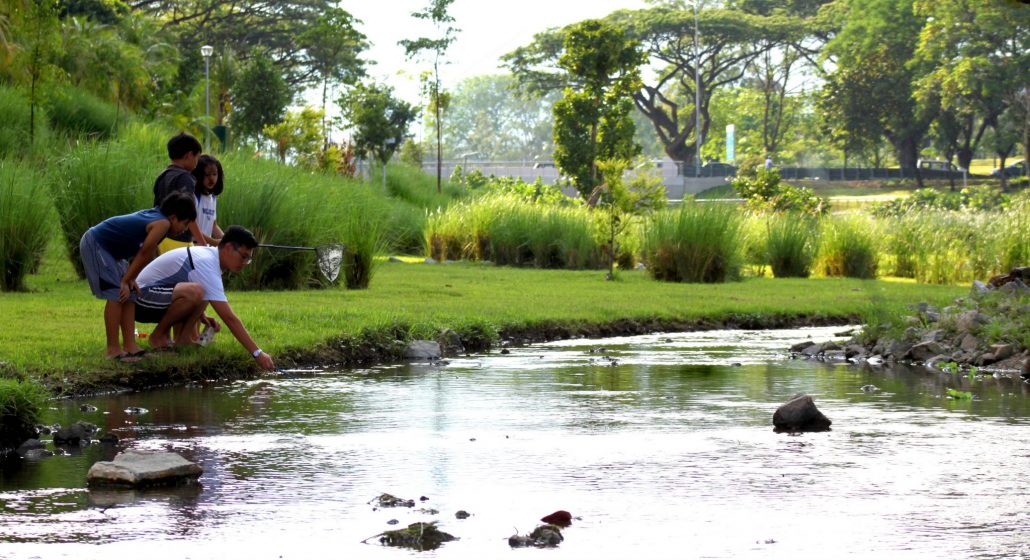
(489, 29)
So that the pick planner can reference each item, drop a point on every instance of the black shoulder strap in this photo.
(189, 255)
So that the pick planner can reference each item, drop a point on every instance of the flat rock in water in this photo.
(800, 415)
(135, 469)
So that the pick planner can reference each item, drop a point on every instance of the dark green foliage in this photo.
(21, 404)
(591, 120)
(380, 120)
(260, 97)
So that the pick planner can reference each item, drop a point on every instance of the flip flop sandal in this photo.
(125, 358)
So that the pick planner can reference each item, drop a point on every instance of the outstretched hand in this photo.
(265, 361)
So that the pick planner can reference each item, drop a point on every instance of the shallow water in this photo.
(668, 454)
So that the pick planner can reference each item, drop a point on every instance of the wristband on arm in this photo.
(256, 353)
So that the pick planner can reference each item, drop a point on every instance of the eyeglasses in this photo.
(247, 257)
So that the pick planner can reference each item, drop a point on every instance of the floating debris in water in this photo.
(87, 408)
(560, 518)
(418, 536)
(870, 388)
(462, 514)
(544, 536)
(136, 410)
(388, 500)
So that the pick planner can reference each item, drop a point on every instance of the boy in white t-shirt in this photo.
(176, 288)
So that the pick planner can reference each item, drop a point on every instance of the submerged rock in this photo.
(76, 434)
(418, 536)
(136, 469)
(544, 536)
(389, 501)
(800, 415)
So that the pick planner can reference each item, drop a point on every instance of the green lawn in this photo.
(55, 329)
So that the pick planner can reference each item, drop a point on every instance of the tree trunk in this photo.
(908, 157)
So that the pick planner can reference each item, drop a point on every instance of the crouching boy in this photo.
(176, 288)
(105, 250)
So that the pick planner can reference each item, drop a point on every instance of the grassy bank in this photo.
(54, 332)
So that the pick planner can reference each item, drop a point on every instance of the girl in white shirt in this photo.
(210, 183)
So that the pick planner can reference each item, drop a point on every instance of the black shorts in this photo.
(152, 303)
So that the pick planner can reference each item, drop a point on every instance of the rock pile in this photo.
(986, 329)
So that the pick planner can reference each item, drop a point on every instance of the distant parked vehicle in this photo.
(1017, 169)
(711, 169)
(937, 165)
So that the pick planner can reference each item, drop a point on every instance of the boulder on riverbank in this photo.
(137, 469)
(800, 415)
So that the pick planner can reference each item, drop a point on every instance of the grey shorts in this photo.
(103, 272)
(152, 303)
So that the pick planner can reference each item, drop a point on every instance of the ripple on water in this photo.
(671, 447)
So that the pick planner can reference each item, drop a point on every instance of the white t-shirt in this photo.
(207, 212)
(173, 267)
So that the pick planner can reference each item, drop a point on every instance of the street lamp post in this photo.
(386, 142)
(697, 97)
(206, 51)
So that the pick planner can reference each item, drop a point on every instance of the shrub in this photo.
(25, 222)
(694, 243)
(21, 403)
(763, 191)
(790, 245)
(848, 247)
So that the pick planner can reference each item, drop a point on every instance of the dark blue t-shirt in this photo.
(122, 235)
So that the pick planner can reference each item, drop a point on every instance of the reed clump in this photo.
(790, 244)
(848, 247)
(25, 223)
(694, 243)
(509, 230)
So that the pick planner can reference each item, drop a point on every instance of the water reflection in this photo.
(662, 445)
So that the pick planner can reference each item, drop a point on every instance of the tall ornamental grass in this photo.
(21, 405)
(1013, 234)
(79, 112)
(287, 206)
(15, 114)
(790, 244)
(694, 243)
(510, 230)
(848, 247)
(95, 181)
(25, 223)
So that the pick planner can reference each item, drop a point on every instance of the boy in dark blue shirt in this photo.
(106, 249)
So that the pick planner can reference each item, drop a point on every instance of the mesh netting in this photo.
(329, 259)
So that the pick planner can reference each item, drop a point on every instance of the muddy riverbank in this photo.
(387, 345)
